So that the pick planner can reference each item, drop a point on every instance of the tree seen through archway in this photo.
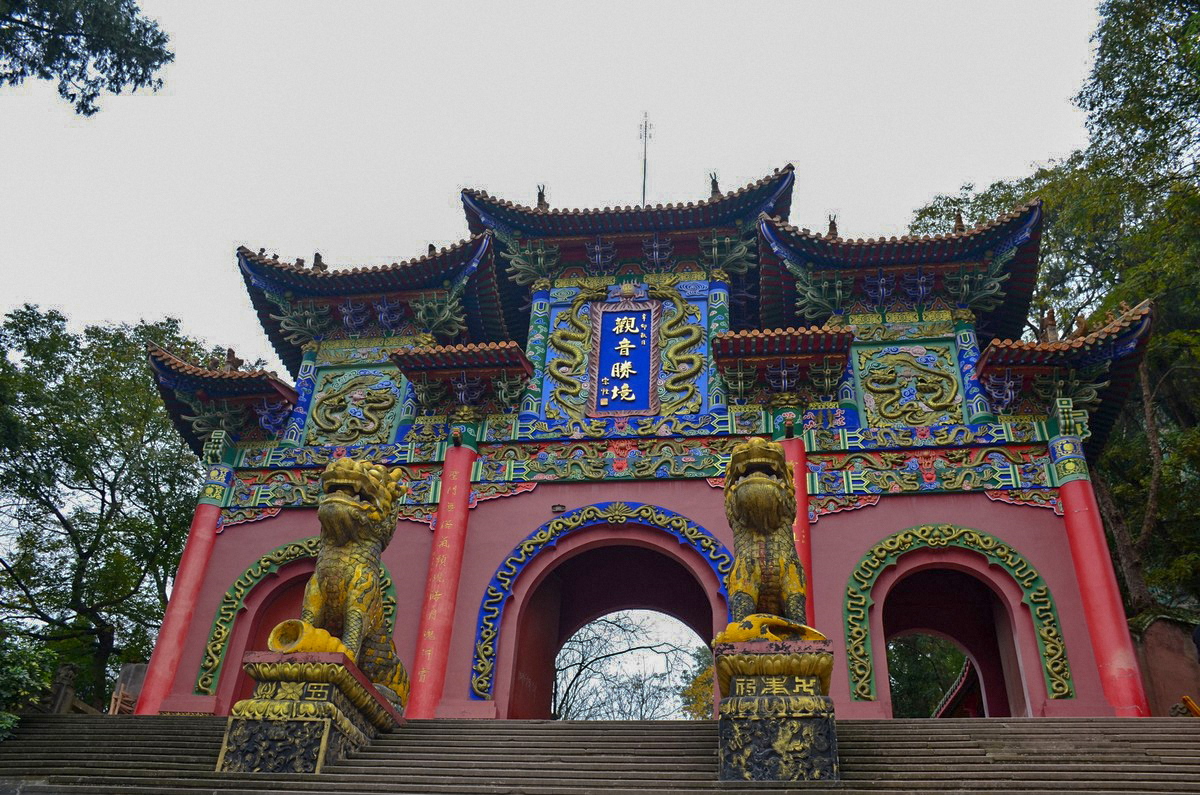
(921, 670)
(627, 665)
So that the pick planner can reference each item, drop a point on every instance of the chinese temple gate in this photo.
(562, 391)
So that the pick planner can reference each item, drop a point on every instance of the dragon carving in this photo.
(910, 389)
(567, 370)
(766, 584)
(680, 335)
(343, 601)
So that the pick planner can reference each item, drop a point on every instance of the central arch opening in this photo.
(597, 582)
(628, 665)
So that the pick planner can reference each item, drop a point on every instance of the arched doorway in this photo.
(1015, 621)
(588, 562)
(593, 583)
(955, 605)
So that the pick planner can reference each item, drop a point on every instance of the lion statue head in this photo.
(359, 502)
(759, 491)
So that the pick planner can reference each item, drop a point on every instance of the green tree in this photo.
(921, 670)
(1123, 225)
(96, 491)
(88, 46)
(697, 692)
(1143, 95)
(25, 671)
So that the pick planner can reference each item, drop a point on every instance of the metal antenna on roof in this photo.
(646, 132)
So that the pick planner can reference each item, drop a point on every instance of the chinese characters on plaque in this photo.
(624, 365)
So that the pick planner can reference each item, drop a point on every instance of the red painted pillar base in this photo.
(185, 590)
(797, 458)
(1102, 606)
(441, 587)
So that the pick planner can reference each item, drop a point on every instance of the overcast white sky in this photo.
(350, 128)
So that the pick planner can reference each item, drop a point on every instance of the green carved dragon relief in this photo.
(680, 334)
(680, 337)
(911, 385)
(358, 406)
(569, 344)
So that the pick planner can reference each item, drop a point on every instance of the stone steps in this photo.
(100, 755)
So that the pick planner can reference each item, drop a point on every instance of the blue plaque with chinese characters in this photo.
(624, 364)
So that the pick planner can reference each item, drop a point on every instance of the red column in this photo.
(441, 587)
(793, 450)
(1102, 607)
(185, 590)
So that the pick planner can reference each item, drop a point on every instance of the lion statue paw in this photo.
(764, 626)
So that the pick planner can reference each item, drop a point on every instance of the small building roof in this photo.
(1021, 228)
(172, 373)
(488, 357)
(782, 342)
(1121, 343)
(494, 305)
(771, 194)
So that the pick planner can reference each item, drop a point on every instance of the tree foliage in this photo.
(697, 692)
(614, 668)
(96, 491)
(921, 670)
(88, 46)
(1143, 96)
(1123, 225)
(25, 671)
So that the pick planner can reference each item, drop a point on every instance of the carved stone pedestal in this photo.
(776, 717)
(307, 710)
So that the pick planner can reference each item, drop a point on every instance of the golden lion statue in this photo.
(766, 584)
(343, 601)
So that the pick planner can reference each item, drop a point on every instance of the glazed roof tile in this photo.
(505, 355)
(1009, 353)
(424, 272)
(227, 382)
(493, 304)
(772, 193)
(782, 342)
(907, 248)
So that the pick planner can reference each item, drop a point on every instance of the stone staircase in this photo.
(176, 755)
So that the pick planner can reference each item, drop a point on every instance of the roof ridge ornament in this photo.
(715, 192)
(542, 204)
(959, 226)
(833, 230)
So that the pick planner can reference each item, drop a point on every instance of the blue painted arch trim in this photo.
(499, 589)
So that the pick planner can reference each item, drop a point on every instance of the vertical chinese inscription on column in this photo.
(624, 366)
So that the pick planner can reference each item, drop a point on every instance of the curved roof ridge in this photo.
(284, 265)
(1121, 322)
(465, 347)
(1017, 212)
(477, 193)
(178, 364)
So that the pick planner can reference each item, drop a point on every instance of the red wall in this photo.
(497, 526)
